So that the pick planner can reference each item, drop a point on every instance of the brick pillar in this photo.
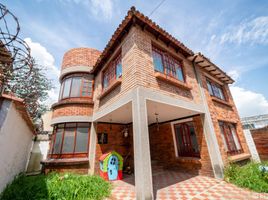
(142, 158)
(92, 147)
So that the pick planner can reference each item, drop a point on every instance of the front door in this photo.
(113, 168)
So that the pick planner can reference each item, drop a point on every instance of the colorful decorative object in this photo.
(111, 166)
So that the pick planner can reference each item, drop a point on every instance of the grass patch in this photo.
(57, 187)
(247, 176)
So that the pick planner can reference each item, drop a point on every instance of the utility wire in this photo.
(156, 7)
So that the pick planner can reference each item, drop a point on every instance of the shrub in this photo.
(57, 187)
(247, 176)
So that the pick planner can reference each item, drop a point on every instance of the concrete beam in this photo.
(78, 118)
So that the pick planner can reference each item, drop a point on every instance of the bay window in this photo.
(76, 86)
(112, 72)
(166, 64)
(70, 140)
(230, 139)
(215, 90)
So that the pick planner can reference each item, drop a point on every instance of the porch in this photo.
(148, 115)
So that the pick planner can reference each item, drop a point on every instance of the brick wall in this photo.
(116, 142)
(223, 112)
(138, 70)
(163, 149)
(72, 110)
(260, 137)
(80, 57)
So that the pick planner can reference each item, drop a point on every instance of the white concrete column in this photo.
(92, 147)
(252, 146)
(142, 158)
(209, 132)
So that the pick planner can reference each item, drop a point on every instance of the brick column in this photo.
(142, 158)
(92, 147)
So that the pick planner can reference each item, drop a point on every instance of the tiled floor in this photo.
(171, 185)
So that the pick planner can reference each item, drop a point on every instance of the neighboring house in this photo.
(254, 122)
(16, 132)
(151, 99)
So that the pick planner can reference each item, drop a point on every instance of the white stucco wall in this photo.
(39, 152)
(15, 146)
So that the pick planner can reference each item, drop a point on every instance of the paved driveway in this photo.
(171, 185)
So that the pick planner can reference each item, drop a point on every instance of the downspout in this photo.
(209, 132)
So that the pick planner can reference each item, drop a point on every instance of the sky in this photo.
(233, 34)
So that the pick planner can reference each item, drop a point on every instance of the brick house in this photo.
(151, 99)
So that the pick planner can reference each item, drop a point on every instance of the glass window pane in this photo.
(76, 85)
(209, 88)
(237, 143)
(221, 94)
(179, 73)
(70, 125)
(67, 85)
(158, 62)
(68, 143)
(193, 140)
(118, 70)
(223, 138)
(58, 141)
(82, 139)
(83, 124)
(61, 87)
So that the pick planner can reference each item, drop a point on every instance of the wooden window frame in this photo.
(190, 148)
(68, 155)
(111, 68)
(220, 87)
(83, 78)
(167, 59)
(224, 127)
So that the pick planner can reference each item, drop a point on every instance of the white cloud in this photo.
(45, 59)
(254, 32)
(234, 74)
(249, 103)
(101, 9)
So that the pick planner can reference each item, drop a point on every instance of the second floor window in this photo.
(166, 64)
(112, 72)
(76, 86)
(230, 138)
(215, 90)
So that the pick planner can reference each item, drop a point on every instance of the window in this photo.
(230, 139)
(215, 90)
(102, 138)
(186, 140)
(76, 86)
(112, 72)
(165, 63)
(70, 139)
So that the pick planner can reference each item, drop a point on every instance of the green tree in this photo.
(33, 88)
